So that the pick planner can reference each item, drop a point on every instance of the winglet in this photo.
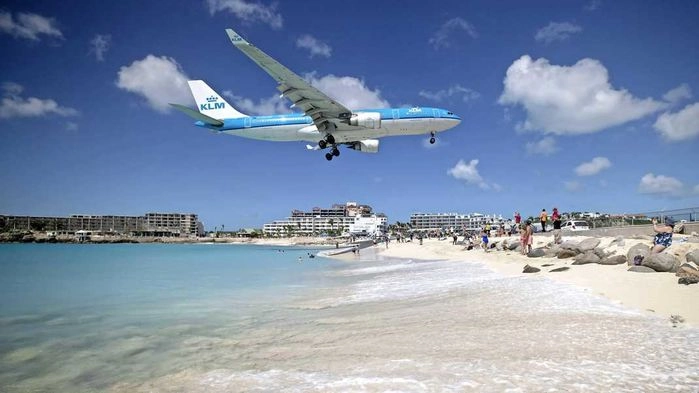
(196, 115)
(235, 38)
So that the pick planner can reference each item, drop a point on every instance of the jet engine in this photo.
(366, 119)
(366, 146)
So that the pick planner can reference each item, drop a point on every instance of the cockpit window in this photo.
(450, 113)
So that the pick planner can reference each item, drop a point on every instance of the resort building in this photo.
(452, 221)
(350, 218)
(152, 224)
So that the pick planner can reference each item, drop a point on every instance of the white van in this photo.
(575, 225)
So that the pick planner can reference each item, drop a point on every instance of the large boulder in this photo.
(641, 269)
(635, 250)
(661, 262)
(613, 260)
(692, 256)
(599, 251)
(569, 245)
(559, 269)
(679, 228)
(536, 253)
(588, 244)
(688, 280)
(618, 241)
(588, 257)
(566, 254)
(552, 251)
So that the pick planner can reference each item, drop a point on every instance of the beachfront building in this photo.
(174, 223)
(151, 224)
(452, 221)
(339, 218)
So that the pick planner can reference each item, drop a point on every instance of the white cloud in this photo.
(546, 147)
(469, 174)
(573, 186)
(29, 26)
(681, 125)
(99, 45)
(71, 126)
(593, 167)
(12, 89)
(316, 47)
(248, 11)
(457, 90)
(679, 93)
(160, 80)
(13, 105)
(441, 38)
(350, 91)
(570, 100)
(556, 31)
(661, 185)
(265, 106)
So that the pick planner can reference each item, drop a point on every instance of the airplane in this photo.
(324, 120)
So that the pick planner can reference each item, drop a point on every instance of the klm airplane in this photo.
(324, 120)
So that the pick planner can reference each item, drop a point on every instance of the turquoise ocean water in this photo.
(76, 317)
(231, 318)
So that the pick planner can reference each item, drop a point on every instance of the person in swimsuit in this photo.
(663, 237)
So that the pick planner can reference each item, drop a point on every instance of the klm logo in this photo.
(211, 104)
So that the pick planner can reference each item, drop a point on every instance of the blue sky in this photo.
(583, 105)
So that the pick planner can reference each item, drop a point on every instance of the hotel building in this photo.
(152, 224)
(348, 218)
(452, 221)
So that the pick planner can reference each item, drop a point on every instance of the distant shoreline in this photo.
(41, 238)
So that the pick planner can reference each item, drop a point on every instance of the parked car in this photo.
(575, 225)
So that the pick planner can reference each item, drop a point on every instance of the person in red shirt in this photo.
(556, 218)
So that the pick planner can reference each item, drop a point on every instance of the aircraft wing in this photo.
(327, 114)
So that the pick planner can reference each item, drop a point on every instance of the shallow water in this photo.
(372, 325)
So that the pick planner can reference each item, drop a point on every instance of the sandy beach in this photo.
(653, 293)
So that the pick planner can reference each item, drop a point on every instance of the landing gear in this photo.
(335, 152)
(432, 140)
(328, 140)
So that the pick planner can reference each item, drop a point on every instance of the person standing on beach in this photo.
(556, 217)
(523, 239)
(543, 217)
(530, 236)
(484, 240)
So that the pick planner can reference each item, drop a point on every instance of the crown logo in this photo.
(211, 99)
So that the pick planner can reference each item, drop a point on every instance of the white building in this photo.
(338, 218)
(452, 221)
(368, 225)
